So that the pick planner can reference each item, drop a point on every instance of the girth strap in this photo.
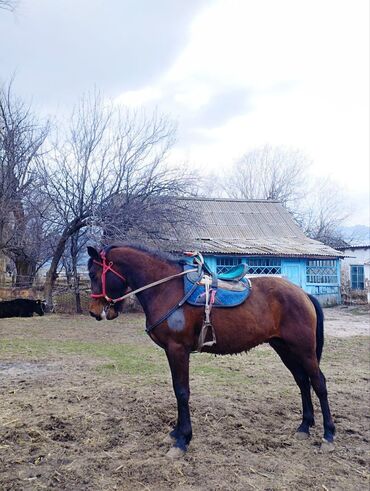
(149, 329)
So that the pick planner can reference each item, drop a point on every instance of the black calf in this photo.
(21, 307)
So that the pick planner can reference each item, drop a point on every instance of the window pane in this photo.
(224, 264)
(264, 265)
(357, 277)
(321, 271)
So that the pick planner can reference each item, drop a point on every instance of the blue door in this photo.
(291, 271)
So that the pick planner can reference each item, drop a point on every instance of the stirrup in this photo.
(206, 329)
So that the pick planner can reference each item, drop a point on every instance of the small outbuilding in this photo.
(356, 272)
(263, 235)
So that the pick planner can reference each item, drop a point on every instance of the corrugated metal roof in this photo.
(354, 246)
(249, 227)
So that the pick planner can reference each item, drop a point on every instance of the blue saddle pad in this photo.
(223, 298)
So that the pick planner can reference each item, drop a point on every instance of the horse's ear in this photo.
(93, 253)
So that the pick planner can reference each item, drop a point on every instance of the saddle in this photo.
(204, 288)
(227, 293)
(234, 274)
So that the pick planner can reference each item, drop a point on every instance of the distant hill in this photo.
(356, 234)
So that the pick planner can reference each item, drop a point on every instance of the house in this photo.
(356, 272)
(262, 234)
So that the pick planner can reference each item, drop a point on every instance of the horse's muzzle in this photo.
(107, 313)
(96, 316)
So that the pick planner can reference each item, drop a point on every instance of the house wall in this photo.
(295, 270)
(357, 256)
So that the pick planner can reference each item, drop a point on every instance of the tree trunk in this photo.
(76, 277)
(78, 294)
(52, 275)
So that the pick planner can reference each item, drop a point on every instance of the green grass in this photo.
(135, 361)
(146, 363)
(130, 359)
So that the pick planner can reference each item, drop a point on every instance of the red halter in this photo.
(106, 267)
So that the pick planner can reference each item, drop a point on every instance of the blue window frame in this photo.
(224, 264)
(258, 265)
(322, 271)
(357, 277)
(325, 290)
(264, 265)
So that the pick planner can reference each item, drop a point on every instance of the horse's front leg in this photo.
(178, 358)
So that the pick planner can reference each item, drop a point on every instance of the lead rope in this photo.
(155, 283)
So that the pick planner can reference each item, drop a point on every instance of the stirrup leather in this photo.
(207, 325)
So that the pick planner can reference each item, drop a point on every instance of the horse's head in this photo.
(108, 284)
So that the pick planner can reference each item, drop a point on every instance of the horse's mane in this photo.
(161, 255)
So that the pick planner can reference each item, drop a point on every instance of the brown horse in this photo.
(277, 312)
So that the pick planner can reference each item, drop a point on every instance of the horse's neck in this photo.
(142, 268)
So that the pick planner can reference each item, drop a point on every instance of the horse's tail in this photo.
(319, 326)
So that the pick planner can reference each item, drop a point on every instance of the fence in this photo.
(64, 296)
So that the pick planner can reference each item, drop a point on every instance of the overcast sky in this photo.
(234, 74)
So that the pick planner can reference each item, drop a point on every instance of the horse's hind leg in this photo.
(303, 382)
(318, 382)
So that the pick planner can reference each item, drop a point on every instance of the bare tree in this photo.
(279, 173)
(8, 5)
(152, 211)
(269, 172)
(21, 140)
(108, 174)
(322, 215)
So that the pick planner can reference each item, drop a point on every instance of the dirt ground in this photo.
(87, 405)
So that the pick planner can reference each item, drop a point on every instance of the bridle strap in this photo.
(106, 267)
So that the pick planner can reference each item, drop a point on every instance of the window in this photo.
(325, 290)
(224, 264)
(357, 277)
(322, 271)
(264, 265)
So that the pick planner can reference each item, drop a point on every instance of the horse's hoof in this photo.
(175, 453)
(168, 439)
(301, 435)
(327, 446)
